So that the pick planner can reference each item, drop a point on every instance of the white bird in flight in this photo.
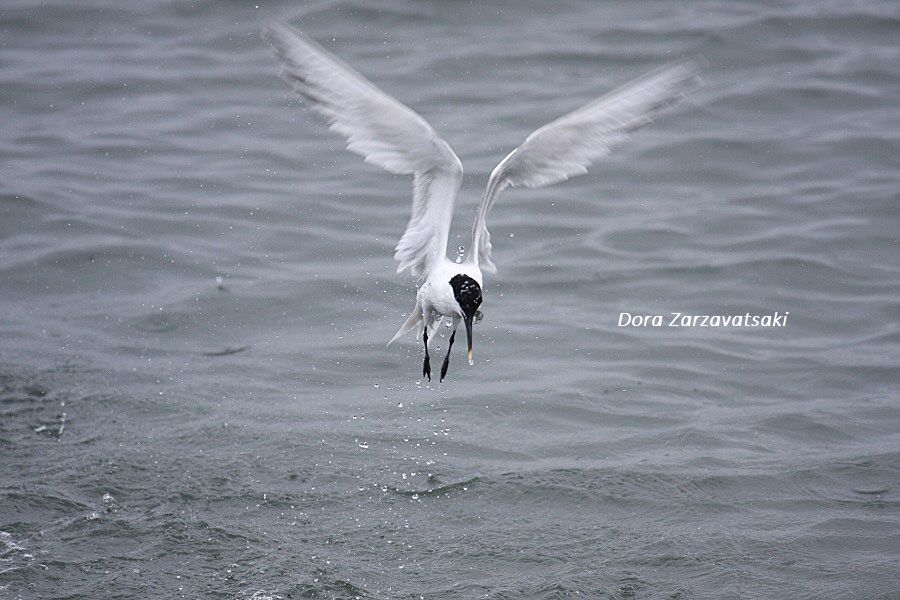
(391, 135)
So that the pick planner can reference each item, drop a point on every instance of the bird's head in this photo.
(468, 295)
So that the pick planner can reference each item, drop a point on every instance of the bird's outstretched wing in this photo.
(385, 132)
(569, 145)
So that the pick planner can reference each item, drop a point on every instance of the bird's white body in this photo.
(435, 296)
(392, 136)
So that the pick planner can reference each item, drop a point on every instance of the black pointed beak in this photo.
(468, 321)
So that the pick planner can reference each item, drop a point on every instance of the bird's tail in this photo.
(411, 322)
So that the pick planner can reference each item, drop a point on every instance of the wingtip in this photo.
(281, 35)
(700, 61)
(692, 65)
(269, 29)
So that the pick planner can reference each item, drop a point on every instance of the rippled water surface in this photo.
(161, 437)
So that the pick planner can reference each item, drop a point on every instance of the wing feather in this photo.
(569, 145)
(384, 131)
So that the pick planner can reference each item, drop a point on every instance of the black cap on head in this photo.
(467, 293)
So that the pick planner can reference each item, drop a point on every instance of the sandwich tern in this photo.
(391, 135)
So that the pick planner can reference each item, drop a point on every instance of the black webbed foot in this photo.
(447, 358)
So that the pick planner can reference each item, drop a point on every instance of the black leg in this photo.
(447, 358)
(426, 368)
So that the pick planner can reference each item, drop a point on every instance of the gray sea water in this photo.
(164, 438)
